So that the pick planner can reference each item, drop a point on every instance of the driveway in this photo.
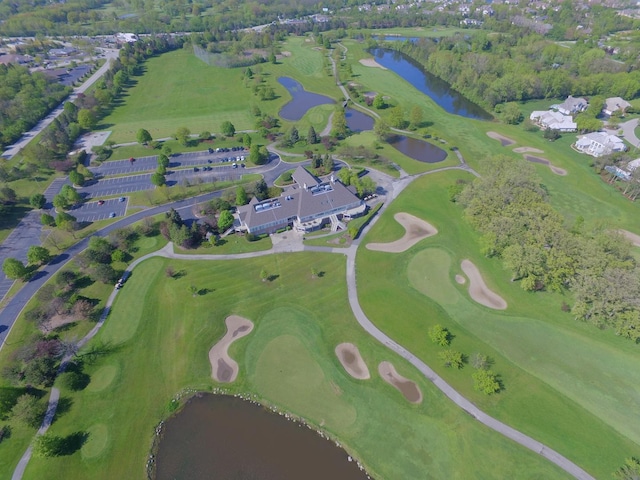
(629, 132)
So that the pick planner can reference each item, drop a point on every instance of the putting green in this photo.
(428, 272)
(96, 442)
(287, 373)
(102, 378)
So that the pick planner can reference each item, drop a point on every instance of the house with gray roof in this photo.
(305, 206)
(613, 104)
(548, 119)
(598, 144)
(573, 105)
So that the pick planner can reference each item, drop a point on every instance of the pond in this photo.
(418, 149)
(224, 437)
(358, 121)
(439, 90)
(302, 100)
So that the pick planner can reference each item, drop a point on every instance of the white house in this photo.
(598, 144)
(553, 120)
(573, 105)
(614, 104)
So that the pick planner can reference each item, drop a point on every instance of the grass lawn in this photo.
(229, 245)
(156, 349)
(422, 32)
(565, 381)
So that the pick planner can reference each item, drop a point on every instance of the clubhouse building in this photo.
(305, 206)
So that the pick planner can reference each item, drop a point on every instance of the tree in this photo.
(511, 113)
(440, 335)
(339, 128)
(264, 275)
(158, 179)
(629, 471)
(163, 160)
(227, 128)
(87, 119)
(118, 256)
(382, 130)
(65, 221)
(76, 178)
(261, 189)
(194, 290)
(378, 102)
(162, 170)
(183, 135)
(246, 140)
(47, 220)
(272, 58)
(452, 358)
(14, 269)
(143, 136)
(486, 382)
(104, 273)
(480, 361)
(396, 117)
(225, 221)
(38, 255)
(206, 135)
(312, 137)
(551, 134)
(37, 200)
(241, 196)
(71, 194)
(258, 154)
(294, 136)
(415, 117)
(60, 202)
(28, 410)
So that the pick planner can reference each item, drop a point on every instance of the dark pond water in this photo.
(396, 38)
(439, 91)
(358, 121)
(418, 149)
(301, 101)
(220, 437)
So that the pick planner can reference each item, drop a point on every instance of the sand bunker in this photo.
(635, 239)
(416, 230)
(370, 62)
(408, 388)
(527, 150)
(224, 368)
(544, 161)
(479, 290)
(352, 361)
(504, 141)
(460, 279)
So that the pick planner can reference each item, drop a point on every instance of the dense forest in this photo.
(24, 99)
(509, 206)
(494, 68)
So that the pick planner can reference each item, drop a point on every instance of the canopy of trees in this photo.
(509, 206)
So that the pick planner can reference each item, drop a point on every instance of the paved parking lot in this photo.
(92, 211)
(117, 186)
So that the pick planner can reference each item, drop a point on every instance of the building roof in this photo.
(615, 103)
(553, 120)
(572, 104)
(310, 198)
(600, 143)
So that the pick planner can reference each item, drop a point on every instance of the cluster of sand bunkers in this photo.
(506, 142)
(225, 370)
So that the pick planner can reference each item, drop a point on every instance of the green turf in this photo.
(160, 348)
(564, 380)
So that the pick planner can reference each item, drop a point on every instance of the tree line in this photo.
(510, 207)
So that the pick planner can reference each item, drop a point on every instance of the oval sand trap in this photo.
(408, 388)
(352, 361)
(635, 239)
(460, 279)
(527, 150)
(223, 367)
(479, 290)
(504, 141)
(415, 230)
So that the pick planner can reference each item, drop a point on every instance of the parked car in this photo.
(121, 199)
(112, 215)
(100, 202)
(235, 165)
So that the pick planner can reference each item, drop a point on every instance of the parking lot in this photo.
(117, 186)
(94, 211)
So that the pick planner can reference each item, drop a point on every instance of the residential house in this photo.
(547, 119)
(614, 104)
(573, 105)
(305, 206)
(598, 144)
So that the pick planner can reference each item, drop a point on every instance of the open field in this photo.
(156, 349)
(564, 381)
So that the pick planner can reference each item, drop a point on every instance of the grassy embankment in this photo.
(567, 383)
(159, 347)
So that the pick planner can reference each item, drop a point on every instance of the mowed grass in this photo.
(580, 193)
(567, 384)
(156, 348)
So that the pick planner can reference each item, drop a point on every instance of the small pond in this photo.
(358, 121)
(418, 149)
(439, 90)
(221, 437)
(302, 100)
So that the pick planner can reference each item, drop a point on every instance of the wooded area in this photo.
(509, 206)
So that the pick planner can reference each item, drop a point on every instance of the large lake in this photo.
(439, 90)
(302, 100)
(221, 437)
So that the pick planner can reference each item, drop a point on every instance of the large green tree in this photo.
(143, 136)
(228, 129)
(38, 255)
(14, 269)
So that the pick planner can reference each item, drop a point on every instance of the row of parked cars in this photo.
(225, 149)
